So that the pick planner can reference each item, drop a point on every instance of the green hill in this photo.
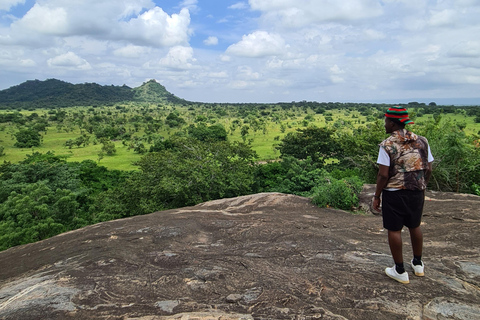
(53, 93)
(152, 91)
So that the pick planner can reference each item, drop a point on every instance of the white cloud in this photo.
(258, 44)
(211, 41)
(8, 4)
(130, 51)
(247, 73)
(189, 3)
(324, 50)
(45, 20)
(27, 63)
(225, 58)
(238, 6)
(155, 27)
(466, 49)
(123, 21)
(69, 60)
(298, 13)
(335, 74)
(444, 18)
(221, 74)
(178, 58)
(374, 34)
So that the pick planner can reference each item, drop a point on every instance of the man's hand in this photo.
(376, 204)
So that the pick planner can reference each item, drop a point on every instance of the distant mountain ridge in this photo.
(53, 93)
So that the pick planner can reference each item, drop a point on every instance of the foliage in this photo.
(27, 138)
(174, 120)
(317, 143)
(108, 147)
(291, 175)
(203, 132)
(191, 161)
(44, 195)
(360, 149)
(55, 93)
(35, 213)
(187, 173)
(340, 194)
(457, 156)
(152, 91)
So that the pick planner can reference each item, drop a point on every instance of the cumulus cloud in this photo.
(221, 74)
(298, 13)
(444, 18)
(238, 6)
(69, 60)
(8, 4)
(121, 21)
(189, 4)
(27, 63)
(211, 41)
(178, 58)
(258, 44)
(335, 74)
(45, 20)
(466, 49)
(155, 27)
(292, 49)
(130, 51)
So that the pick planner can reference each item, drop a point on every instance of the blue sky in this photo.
(253, 50)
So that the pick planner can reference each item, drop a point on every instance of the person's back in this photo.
(408, 154)
(405, 165)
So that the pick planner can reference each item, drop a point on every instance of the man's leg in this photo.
(395, 243)
(416, 237)
(397, 272)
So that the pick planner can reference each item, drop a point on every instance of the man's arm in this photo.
(382, 180)
(428, 173)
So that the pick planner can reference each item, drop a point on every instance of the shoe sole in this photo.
(396, 279)
(401, 281)
(418, 274)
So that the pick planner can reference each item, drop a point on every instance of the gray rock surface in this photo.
(262, 256)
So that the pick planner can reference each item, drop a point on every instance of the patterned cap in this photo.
(399, 113)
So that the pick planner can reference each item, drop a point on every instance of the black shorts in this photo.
(402, 208)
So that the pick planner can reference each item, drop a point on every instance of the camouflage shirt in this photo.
(408, 154)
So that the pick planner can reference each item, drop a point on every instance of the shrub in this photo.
(340, 194)
(27, 138)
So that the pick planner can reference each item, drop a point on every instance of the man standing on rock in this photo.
(405, 166)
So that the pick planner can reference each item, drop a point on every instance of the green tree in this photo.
(187, 173)
(27, 138)
(457, 156)
(244, 132)
(317, 143)
(174, 120)
(203, 132)
(108, 147)
(360, 149)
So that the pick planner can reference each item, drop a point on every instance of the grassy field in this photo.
(262, 141)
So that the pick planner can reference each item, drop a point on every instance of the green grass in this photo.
(262, 142)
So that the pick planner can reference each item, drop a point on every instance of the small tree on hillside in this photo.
(27, 138)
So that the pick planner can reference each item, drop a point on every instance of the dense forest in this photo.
(53, 178)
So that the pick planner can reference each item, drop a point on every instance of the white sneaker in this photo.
(392, 273)
(418, 269)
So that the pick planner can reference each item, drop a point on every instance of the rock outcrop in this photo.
(262, 256)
